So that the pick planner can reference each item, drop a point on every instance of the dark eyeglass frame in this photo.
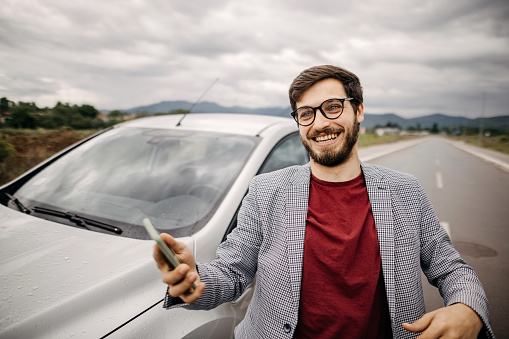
(296, 116)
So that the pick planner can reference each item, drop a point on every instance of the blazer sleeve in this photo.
(445, 269)
(235, 265)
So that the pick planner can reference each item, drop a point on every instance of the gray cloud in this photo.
(413, 57)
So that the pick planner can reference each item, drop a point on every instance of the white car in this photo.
(75, 259)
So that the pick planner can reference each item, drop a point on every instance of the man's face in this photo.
(330, 142)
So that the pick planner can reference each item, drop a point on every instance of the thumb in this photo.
(419, 325)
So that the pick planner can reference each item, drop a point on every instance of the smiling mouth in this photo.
(325, 138)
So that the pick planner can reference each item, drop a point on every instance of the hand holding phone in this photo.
(168, 253)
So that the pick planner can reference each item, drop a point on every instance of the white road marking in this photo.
(445, 225)
(440, 182)
(437, 162)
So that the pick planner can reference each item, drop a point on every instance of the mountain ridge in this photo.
(370, 121)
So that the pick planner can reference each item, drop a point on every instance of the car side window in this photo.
(287, 152)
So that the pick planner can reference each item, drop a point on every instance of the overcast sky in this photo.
(413, 57)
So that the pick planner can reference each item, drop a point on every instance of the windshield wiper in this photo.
(78, 220)
(18, 203)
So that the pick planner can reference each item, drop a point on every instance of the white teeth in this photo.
(324, 138)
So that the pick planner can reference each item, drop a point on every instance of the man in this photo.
(337, 245)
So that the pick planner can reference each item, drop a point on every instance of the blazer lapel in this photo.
(295, 222)
(380, 198)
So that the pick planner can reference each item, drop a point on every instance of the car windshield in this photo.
(176, 178)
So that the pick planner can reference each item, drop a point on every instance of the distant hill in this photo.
(370, 121)
(207, 107)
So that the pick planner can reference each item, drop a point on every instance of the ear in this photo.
(360, 113)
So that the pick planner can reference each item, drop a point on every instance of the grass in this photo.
(366, 140)
(34, 146)
(496, 143)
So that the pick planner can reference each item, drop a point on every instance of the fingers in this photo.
(433, 333)
(455, 321)
(183, 288)
(423, 325)
(181, 279)
(191, 296)
(419, 325)
(180, 282)
(176, 276)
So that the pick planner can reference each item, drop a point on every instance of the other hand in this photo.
(454, 321)
(180, 279)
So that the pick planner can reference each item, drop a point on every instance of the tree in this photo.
(142, 114)
(115, 116)
(22, 115)
(392, 125)
(88, 111)
(434, 129)
(28, 115)
(180, 111)
(63, 114)
(5, 104)
(21, 118)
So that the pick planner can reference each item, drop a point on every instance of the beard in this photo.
(329, 157)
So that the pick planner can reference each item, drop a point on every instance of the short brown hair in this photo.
(312, 75)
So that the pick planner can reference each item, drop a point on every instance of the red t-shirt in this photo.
(342, 292)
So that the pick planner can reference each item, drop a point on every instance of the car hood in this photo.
(61, 281)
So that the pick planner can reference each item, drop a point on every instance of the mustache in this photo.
(328, 130)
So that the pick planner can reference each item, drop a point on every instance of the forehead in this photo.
(321, 91)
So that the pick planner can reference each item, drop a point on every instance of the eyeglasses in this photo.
(331, 109)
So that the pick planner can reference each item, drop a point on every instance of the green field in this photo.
(497, 143)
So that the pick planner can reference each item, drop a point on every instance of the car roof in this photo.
(246, 124)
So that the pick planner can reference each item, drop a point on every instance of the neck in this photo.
(348, 170)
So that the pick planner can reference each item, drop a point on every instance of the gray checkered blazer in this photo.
(269, 242)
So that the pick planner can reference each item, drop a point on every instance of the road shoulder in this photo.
(498, 159)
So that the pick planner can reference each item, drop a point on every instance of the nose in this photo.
(320, 122)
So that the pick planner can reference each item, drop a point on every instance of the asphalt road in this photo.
(471, 199)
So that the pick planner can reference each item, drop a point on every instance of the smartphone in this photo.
(170, 256)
